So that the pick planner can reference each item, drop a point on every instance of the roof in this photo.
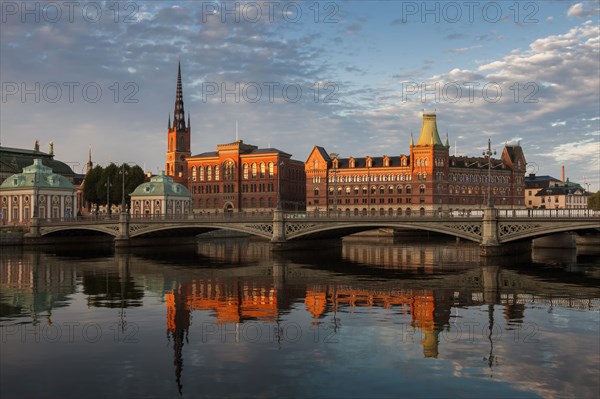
(533, 181)
(254, 151)
(161, 185)
(429, 132)
(561, 190)
(376, 162)
(323, 153)
(15, 159)
(37, 175)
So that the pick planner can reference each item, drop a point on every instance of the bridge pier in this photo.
(278, 241)
(490, 245)
(34, 228)
(122, 240)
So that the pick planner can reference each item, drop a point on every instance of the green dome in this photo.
(37, 175)
(161, 185)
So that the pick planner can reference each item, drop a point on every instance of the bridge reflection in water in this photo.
(417, 288)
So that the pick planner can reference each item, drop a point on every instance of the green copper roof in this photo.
(36, 175)
(429, 133)
(161, 185)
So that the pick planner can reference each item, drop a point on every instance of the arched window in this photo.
(271, 169)
(422, 189)
(316, 191)
(217, 172)
(263, 170)
(245, 171)
(209, 173)
(201, 173)
(381, 190)
(228, 170)
(254, 170)
(398, 189)
(193, 173)
(408, 190)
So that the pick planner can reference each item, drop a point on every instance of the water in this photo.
(362, 319)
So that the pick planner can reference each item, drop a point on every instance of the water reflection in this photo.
(235, 311)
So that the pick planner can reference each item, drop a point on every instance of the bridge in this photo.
(489, 227)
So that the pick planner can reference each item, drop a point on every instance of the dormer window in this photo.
(15, 182)
(352, 162)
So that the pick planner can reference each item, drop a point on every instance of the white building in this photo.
(37, 186)
(160, 196)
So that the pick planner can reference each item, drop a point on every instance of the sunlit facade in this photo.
(425, 179)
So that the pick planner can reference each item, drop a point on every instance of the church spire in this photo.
(447, 144)
(90, 164)
(412, 141)
(169, 125)
(179, 115)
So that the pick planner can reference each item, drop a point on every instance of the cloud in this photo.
(581, 11)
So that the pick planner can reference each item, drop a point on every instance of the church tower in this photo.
(178, 140)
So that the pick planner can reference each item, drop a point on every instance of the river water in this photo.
(362, 318)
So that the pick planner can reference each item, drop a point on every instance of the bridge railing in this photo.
(549, 213)
(345, 215)
(330, 215)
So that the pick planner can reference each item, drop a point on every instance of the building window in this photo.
(408, 190)
(422, 189)
(254, 171)
(263, 170)
(201, 173)
(316, 192)
(271, 169)
(209, 173)
(193, 173)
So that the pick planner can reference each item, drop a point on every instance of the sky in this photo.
(351, 76)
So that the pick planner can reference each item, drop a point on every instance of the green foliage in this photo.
(95, 187)
(594, 201)
(89, 185)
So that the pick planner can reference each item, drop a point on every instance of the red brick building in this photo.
(426, 179)
(237, 177)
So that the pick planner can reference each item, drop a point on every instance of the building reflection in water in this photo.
(32, 284)
(429, 258)
(262, 287)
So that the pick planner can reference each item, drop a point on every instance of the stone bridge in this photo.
(489, 227)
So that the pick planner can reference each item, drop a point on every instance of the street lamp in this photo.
(123, 173)
(489, 154)
(334, 171)
(107, 185)
(279, 168)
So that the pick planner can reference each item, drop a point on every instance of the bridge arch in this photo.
(110, 230)
(196, 229)
(293, 233)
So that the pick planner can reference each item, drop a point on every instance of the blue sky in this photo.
(378, 65)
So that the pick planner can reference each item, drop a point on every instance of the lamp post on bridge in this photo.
(107, 185)
(123, 173)
(279, 170)
(489, 154)
(334, 171)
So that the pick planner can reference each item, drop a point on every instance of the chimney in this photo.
(563, 173)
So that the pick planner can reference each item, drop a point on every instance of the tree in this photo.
(594, 201)
(134, 176)
(109, 175)
(89, 184)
